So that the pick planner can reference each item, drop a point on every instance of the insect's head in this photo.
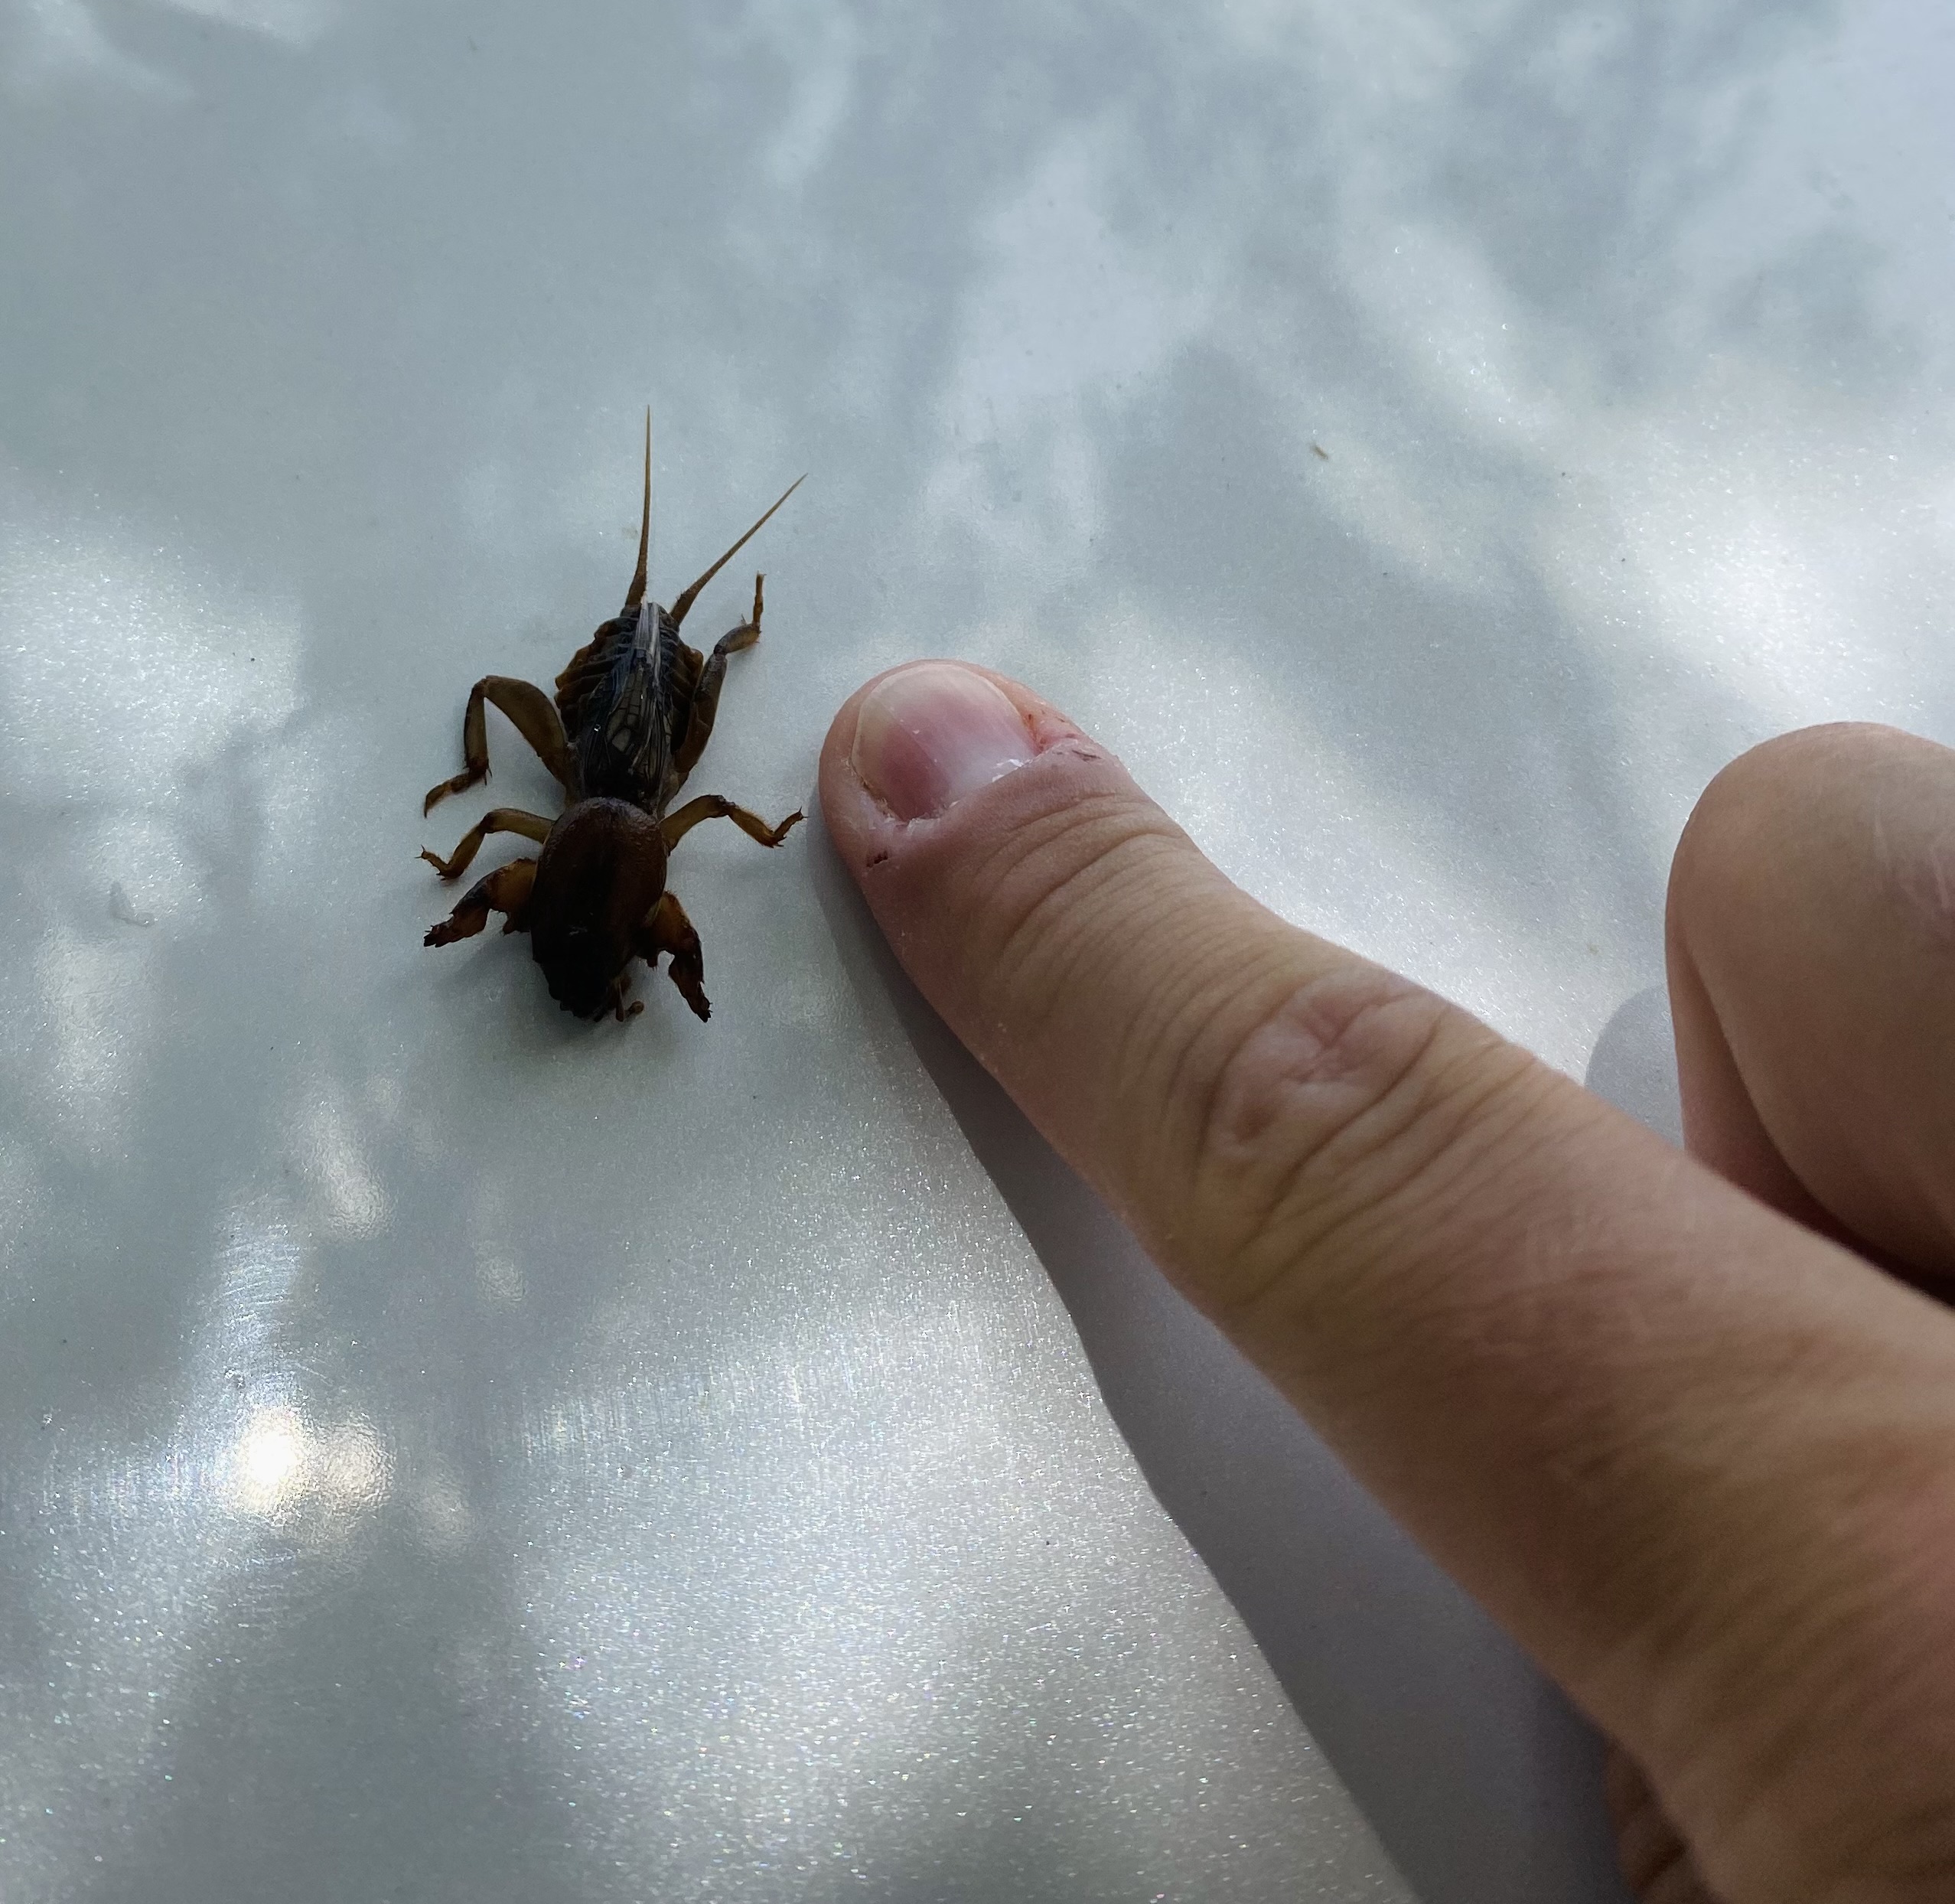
(599, 875)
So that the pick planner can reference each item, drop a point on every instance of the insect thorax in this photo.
(625, 737)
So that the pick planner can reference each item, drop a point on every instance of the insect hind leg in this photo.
(534, 716)
(712, 677)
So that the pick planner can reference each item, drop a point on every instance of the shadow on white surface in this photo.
(1633, 1064)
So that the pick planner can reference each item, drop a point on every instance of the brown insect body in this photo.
(600, 873)
(631, 714)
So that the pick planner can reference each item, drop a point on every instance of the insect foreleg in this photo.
(676, 826)
(506, 890)
(669, 930)
(534, 716)
(496, 819)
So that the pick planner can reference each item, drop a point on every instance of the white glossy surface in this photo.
(447, 1451)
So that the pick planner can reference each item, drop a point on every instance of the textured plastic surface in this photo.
(449, 1452)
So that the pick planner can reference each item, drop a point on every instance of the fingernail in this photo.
(927, 735)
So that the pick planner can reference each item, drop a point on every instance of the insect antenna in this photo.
(637, 592)
(677, 610)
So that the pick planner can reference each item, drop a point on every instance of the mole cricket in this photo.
(632, 714)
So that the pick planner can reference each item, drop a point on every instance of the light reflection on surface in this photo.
(279, 1464)
(125, 665)
(781, 1601)
(449, 1450)
(270, 1457)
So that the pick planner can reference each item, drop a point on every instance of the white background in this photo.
(451, 1452)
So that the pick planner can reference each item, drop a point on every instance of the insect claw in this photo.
(469, 777)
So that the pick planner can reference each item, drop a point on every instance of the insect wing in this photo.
(623, 751)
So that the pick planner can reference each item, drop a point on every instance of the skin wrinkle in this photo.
(1427, 1100)
(1073, 894)
(1555, 1245)
(1599, 1462)
(1750, 1409)
(1148, 1044)
(1047, 957)
(985, 891)
(1320, 1021)
(1353, 1239)
(1155, 1051)
(1177, 944)
(1718, 1746)
(1773, 1736)
(1657, 1518)
(1127, 904)
(1157, 1046)
(1273, 1209)
(1194, 1079)
(1708, 1657)
(1697, 1676)
(1598, 1465)
(999, 862)
(1572, 1248)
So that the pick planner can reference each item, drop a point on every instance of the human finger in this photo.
(1812, 952)
(1559, 1349)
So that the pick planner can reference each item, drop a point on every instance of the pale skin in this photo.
(1680, 1421)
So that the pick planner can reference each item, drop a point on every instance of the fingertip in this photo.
(915, 741)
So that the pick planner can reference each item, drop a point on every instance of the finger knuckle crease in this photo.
(1329, 1106)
